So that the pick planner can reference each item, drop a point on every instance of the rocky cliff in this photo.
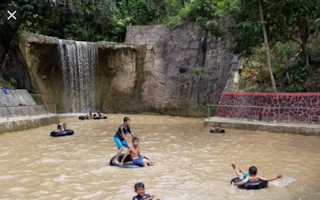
(175, 76)
(155, 70)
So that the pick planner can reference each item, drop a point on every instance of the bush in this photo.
(314, 50)
(173, 22)
(197, 70)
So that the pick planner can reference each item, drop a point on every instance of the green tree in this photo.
(250, 27)
(37, 17)
(306, 14)
(267, 48)
(91, 20)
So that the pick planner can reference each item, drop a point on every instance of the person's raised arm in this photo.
(242, 182)
(241, 169)
(125, 156)
(270, 179)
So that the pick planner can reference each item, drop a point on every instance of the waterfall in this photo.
(79, 62)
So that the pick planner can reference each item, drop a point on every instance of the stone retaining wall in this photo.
(281, 107)
(17, 103)
(24, 124)
(301, 129)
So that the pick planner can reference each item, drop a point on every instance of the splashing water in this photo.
(285, 181)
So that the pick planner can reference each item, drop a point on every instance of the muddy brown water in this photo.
(191, 163)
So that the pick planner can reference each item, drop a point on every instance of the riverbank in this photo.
(294, 128)
(23, 123)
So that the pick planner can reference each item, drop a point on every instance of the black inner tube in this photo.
(97, 118)
(61, 133)
(126, 164)
(251, 185)
(217, 131)
(102, 117)
(83, 117)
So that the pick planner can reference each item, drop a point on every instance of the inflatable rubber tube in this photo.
(102, 117)
(215, 131)
(251, 185)
(83, 117)
(61, 133)
(126, 164)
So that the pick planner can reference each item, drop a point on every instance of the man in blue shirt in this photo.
(120, 139)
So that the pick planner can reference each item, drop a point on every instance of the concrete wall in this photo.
(24, 124)
(16, 97)
(13, 104)
(302, 129)
(282, 107)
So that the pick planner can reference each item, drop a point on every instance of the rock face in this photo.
(155, 70)
(14, 67)
(42, 60)
(175, 77)
(115, 76)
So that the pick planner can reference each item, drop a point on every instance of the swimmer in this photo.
(254, 177)
(59, 127)
(134, 152)
(242, 175)
(140, 190)
(217, 129)
(64, 126)
(89, 115)
(119, 137)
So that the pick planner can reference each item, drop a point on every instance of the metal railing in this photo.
(310, 115)
(26, 111)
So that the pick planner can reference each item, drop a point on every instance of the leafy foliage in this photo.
(197, 70)
(293, 28)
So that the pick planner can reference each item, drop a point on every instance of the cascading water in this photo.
(79, 62)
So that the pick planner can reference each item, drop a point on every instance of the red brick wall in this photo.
(283, 107)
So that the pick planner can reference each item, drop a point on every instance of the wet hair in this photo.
(253, 170)
(138, 185)
(64, 124)
(125, 119)
(59, 126)
(94, 115)
(134, 139)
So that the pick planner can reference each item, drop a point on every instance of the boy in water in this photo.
(64, 126)
(240, 173)
(134, 151)
(140, 190)
(59, 127)
(218, 128)
(254, 177)
(120, 139)
(89, 115)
